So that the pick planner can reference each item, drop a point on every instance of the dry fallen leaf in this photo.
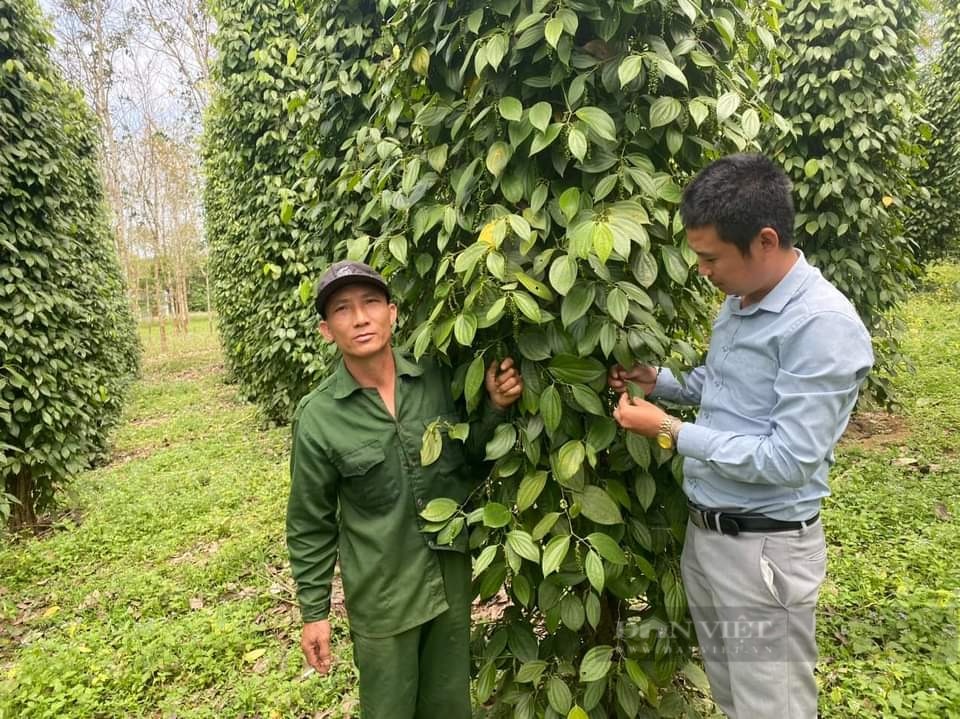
(91, 600)
(943, 514)
(253, 655)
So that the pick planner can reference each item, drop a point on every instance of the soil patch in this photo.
(871, 430)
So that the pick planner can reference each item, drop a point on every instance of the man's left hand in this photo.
(638, 415)
(504, 383)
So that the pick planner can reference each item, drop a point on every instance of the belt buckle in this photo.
(727, 525)
(721, 524)
(714, 521)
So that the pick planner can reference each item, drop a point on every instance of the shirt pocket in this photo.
(366, 481)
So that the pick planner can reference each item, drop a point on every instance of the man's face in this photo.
(723, 264)
(359, 319)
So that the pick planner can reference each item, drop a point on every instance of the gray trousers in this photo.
(753, 598)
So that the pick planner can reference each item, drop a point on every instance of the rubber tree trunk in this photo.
(206, 279)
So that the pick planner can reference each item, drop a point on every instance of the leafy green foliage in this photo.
(935, 217)
(514, 169)
(846, 88)
(66, 330)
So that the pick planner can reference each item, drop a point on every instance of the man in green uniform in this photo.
(356, 449)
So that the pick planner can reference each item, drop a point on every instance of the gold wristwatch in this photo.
(667, 434)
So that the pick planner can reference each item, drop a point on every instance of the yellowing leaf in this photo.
(421, 61)
(50, 612)
(497, 157)
(886, 200)
(253, 655)
(488, 235)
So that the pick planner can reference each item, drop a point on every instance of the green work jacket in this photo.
(349, 453)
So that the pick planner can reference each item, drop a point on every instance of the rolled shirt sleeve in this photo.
(823, 362)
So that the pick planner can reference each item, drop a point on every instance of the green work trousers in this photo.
(422, 673)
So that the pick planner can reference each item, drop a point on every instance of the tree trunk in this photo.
(22, 515)
(206, 279)
(148, 311)
(184, 302)
(161, 305)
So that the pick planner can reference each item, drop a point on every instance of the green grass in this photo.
(165, 592)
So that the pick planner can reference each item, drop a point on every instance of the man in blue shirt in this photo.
(786, 360)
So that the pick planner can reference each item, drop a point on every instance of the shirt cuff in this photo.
(694, 441)
(316, 612)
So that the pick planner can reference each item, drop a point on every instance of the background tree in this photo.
(846, 86)
(162, 194)
(934, 222)
(514, 168)
(930, 29)
(93, 36)
(66, 332)
(143, 67)
(181, 31)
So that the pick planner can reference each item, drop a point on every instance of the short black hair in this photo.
(739, 195)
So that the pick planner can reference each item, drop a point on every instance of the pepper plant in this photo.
(935, 218)
(67, 337)
(846, 88)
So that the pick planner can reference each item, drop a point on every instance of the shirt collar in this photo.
(783, 291)
(345, 384)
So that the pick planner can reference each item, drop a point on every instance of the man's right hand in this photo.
(643, 375)
(315, 643)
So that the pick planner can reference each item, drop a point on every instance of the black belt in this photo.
(728, 523)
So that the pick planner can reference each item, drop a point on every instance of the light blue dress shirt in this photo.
(775, 395)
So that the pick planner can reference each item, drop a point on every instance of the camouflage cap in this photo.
(346, 272)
